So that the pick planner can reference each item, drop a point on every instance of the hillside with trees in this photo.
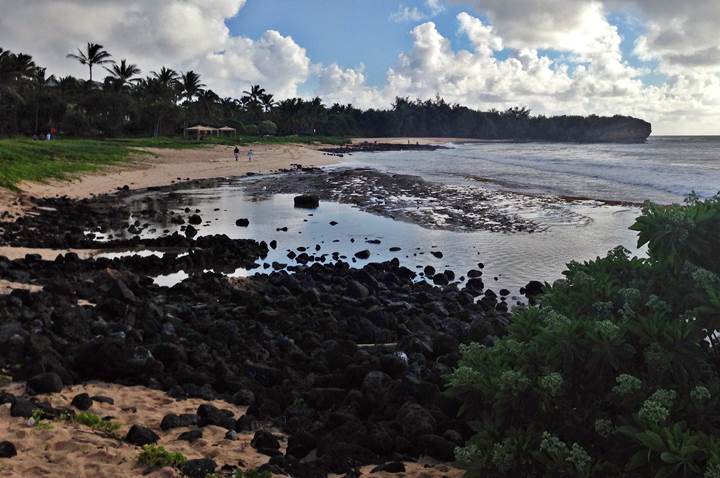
(164, 101)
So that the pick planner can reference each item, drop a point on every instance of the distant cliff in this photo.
(591, 129)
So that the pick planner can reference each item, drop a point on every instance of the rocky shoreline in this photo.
(348, 363)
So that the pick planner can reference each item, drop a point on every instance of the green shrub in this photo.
(155, 456)
(96, 423)
(615, 371)
(267, 128)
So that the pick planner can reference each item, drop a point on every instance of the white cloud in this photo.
(406, 14)
(182, 34)
(592, 78)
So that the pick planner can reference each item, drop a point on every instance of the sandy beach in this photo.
(159, 167)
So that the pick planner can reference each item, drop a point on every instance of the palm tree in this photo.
(190, 84)
(255, 93)
(268, 101)
(123, 73)
(93, 55)
(166, 76)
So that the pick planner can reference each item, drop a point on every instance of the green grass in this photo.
(26, 160)
(96, 423)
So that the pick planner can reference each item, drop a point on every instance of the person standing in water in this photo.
(250, 154)
(237, 153)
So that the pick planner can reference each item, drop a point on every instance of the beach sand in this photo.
(160, 167)
(76, 451)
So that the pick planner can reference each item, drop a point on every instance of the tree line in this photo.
(165, 101)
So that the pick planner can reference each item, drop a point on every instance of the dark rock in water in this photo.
(437, 254)
(48, 382)
(429, 271)
(273, 244)
(390, 467)
(195, 219)
(242, 222)
(364, 254)
(504, 292)
(139, 436)
(199, 468)
(307, 201)
(415, 420)
(264, 440)
(190, 232)
(395, 249)
(7, 450)
(333, 223)
(373, 241)
(191, 435)
(82, 401)
(440, 279)
(172, 420)
(533, 288)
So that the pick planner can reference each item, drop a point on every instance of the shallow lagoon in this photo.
(514, 258)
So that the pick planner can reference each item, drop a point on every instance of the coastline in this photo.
(162, 167)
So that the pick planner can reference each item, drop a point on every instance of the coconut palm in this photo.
(190, 85)
(268, 101)
(123, 73)
(93, 55)
(166, 76)
(255, 93)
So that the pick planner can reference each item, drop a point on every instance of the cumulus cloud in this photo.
(593, 78)
(182, 34)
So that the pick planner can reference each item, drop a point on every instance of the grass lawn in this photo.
(27, 160)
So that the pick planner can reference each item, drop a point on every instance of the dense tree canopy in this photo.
(165, 101)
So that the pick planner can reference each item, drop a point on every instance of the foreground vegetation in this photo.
(615, 371)
(27, 160)
(165, 102)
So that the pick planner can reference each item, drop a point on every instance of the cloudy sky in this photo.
(656, 59)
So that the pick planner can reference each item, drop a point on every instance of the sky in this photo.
(654, 59)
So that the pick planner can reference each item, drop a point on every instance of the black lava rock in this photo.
(191, 435)
(172, 420)
(139, 435)
(242, 222)
(82, 401)
(199, 468)
(7, 450)
(307, 201)
(48, 382)
(264, 440)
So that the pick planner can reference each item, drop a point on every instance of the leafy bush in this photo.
(615, 371)
(155, 456)
(267, 128)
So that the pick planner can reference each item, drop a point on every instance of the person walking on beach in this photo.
(250, 154)
(237, 153)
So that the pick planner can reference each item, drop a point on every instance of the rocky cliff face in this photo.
(620, 129)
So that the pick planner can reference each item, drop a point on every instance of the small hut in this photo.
(200, 131)
(227, 131)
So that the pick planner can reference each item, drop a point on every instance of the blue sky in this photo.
(354, 32)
